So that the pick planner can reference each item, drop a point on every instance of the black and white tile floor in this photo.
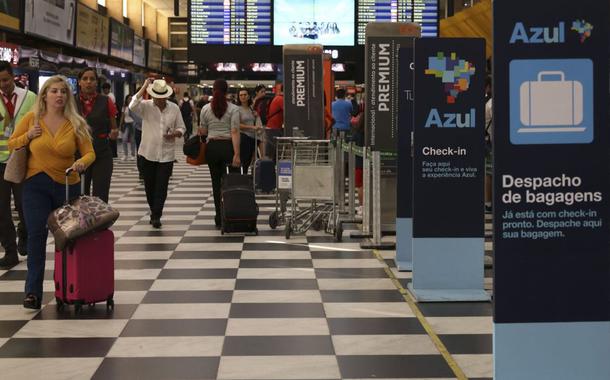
(192, 304)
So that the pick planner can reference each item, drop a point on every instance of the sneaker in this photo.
(9, 261)
(156, 223)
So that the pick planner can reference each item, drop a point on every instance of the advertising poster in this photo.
(325, 22)
(10, 11)
(91, 30)
(303, 91)
(121, 40)
(449, 153)
(139, 51)
(551, 167)
(52, 19)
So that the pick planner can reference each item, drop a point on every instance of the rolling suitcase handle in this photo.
(241, 168)
(82, 184)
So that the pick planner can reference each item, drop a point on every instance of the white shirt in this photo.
(156, 124)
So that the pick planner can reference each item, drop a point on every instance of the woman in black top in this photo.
(100, 113)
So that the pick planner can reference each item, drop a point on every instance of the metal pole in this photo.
(351, 166)
(376, 197)
(366, 219)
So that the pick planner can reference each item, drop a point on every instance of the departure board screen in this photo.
(423, 12)
(230, 22)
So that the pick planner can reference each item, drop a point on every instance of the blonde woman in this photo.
(53, 133)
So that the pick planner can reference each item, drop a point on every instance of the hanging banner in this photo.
(551, 162)
(10, 12)
(91, 30)
(51, 19)
(303, 91)
(383, 41)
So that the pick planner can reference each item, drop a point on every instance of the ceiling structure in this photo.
(166, 7)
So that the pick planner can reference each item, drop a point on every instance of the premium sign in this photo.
(383, 41)
(91, 30)
(303, 91)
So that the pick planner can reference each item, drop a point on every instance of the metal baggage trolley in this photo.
(312, 191)
(283, 147)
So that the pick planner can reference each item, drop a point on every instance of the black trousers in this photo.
(100, 173)
(8, 236)
(219, 155)
(138, 137)
(246, 151)
(156, 181)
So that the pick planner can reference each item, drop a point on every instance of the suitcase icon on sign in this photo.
(551, 104)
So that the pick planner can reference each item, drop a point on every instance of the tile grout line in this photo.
(455, 368)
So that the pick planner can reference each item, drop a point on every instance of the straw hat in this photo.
(159, 89)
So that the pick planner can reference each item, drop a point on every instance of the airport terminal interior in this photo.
(322, 286)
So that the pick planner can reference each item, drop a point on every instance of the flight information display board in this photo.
(423, 12)
(230, 22)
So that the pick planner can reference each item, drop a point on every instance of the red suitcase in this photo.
(84, 269)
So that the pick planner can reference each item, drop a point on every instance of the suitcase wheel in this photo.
(78, 308)
(91, 305)
(60, 304)
(109, 304)
(273, 220)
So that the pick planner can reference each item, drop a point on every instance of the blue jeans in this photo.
(41, 195)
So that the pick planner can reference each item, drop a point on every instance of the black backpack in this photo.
(186, 110)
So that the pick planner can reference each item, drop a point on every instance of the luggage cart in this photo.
(283, 169)
(312, 192)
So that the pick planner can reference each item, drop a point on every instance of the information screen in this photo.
(325, 22)
(423, 12)
(230, 22)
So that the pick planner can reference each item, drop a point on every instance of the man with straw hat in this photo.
(161, 124)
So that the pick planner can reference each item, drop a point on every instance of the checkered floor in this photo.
(192, 304)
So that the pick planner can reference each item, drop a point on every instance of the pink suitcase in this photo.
(84, 269)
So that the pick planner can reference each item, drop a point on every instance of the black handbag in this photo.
(191, 146)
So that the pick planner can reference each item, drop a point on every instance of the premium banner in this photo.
(51, 19)
(551, 168)
(303, 91)
(10, 12)
(121, 40)
(449, 153)
(139, 51)
(91, 30)
(383, 41)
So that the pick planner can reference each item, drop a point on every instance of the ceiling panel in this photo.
(167, 6)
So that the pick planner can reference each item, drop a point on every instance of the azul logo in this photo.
(583, 29)
(549, 35)
(451, 120)
(454, 73)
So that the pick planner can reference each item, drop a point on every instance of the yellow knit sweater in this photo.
(51, 154)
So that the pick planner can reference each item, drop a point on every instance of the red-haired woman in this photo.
(220, 122)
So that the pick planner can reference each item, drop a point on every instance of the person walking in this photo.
(219, 121)
(187, 109)
(53, 132)
(161, 124)
(126, 127)
(275, 121)
(100, 113)
(342, 112)
(15, 103)
(248, 128)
